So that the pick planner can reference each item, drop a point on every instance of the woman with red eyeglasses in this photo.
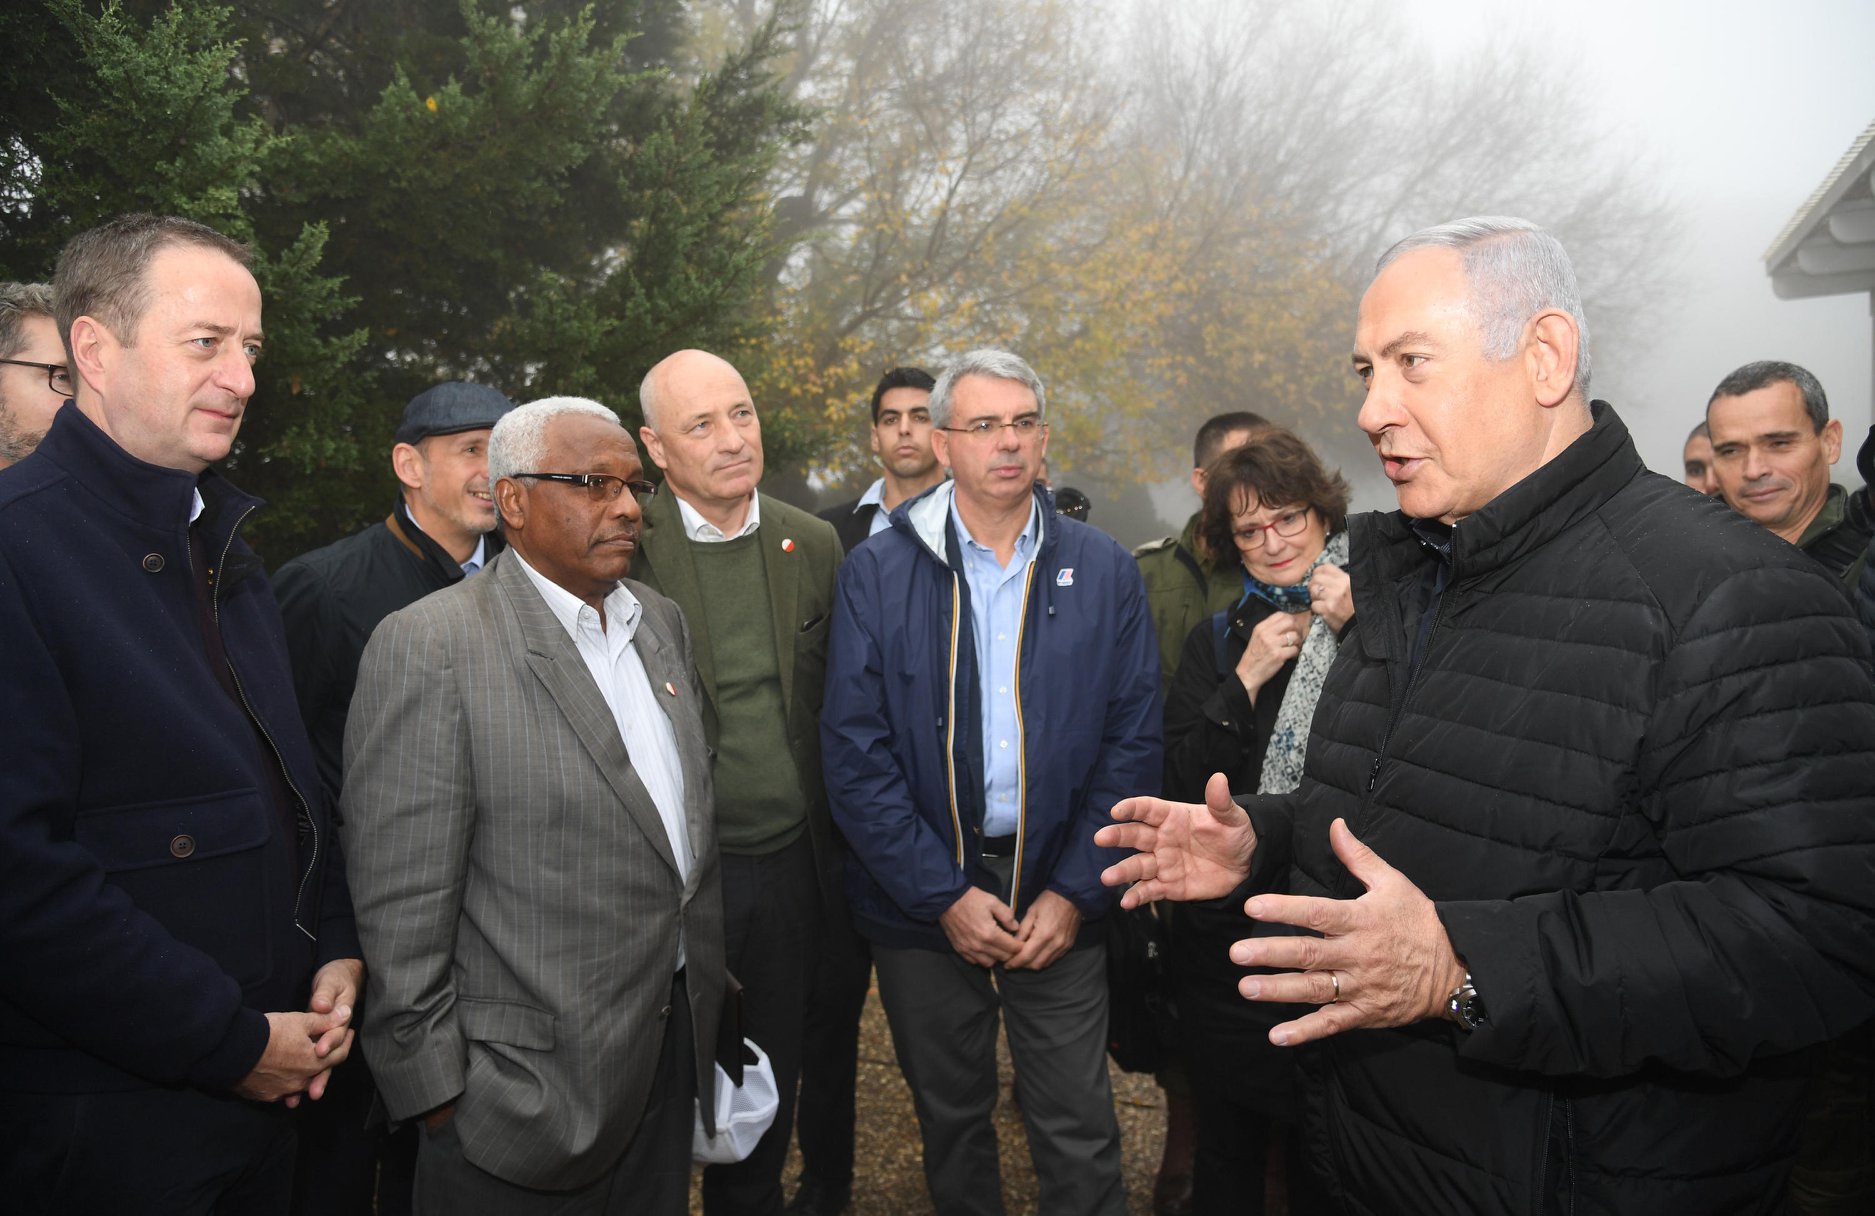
(1240, 704)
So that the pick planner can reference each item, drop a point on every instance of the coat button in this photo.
(182, 845)
(153, 562)
(664, 1014)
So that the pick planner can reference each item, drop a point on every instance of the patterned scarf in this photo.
(1289, 738)
(1282, 599)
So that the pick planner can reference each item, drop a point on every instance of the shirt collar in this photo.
(698, 528)
(622, 608)
(196, 505)
(873, 497)
(478, 558)
(1025, 543)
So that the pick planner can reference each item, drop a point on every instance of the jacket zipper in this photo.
(950, 726)
(1022, 750)
(304, 811)
(1542, 1170)
(1565, 1150)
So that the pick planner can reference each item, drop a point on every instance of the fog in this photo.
(1747, 108)
(1739, 111)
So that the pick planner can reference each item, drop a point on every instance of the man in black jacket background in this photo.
(1583, 846)
(901, 438)
(440, 531)
(1780, 444)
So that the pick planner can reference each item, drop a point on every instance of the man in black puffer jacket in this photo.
(1608, 750)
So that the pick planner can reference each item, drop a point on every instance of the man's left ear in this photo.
(1552, 353)
(1832, 439)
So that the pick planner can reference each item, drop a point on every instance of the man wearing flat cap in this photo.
(440, 531)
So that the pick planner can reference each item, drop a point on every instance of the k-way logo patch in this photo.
(1064, 577)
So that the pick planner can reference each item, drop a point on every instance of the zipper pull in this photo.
(1373, 774)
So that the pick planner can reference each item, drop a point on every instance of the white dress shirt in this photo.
(613, 660)
(698, 528)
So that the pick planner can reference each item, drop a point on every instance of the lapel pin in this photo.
(670, 688)
(787, 544)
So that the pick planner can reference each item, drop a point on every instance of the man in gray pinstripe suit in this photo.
(528, 816)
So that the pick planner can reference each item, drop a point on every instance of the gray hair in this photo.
(1766, 372)
(19, 301)
(519, 441)
(984, 361)
(1515, 270)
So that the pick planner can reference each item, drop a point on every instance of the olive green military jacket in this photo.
(1182, 589)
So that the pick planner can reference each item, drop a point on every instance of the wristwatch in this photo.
(1466, 1007)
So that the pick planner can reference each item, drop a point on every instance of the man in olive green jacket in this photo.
(754, 577)
(1184, 584)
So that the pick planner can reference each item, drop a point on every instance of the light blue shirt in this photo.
(478, 558)
(875, 496)
(996, 594)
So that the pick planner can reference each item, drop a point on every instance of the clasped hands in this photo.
(1380, 960)
(303, 1048)
(984, 931)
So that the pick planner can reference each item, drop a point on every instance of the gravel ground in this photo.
(889, 1171)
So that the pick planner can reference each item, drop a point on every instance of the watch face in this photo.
(1467, 1007)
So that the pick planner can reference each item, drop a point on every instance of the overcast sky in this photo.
(1747, 107)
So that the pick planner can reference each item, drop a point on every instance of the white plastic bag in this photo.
(743, 1112)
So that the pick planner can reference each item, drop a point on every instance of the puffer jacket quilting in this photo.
(1635, 771)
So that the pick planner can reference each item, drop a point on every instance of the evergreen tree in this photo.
(539, 196)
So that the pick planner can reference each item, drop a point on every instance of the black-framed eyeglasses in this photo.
(1025, 427)
(58, 376)
(601, 487)
(1289, 523)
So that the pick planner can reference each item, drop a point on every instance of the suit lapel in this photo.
(663, 658)
(556, 662)
(674, 573)
(782, 567)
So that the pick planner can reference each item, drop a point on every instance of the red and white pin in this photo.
(787, 544)
(670, 688)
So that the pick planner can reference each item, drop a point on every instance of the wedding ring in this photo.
(1336, 980)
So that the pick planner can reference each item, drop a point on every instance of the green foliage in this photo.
(539, 196)
(148, 118)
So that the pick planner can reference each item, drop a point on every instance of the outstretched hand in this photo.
(1185, 850)
(1382, 960)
